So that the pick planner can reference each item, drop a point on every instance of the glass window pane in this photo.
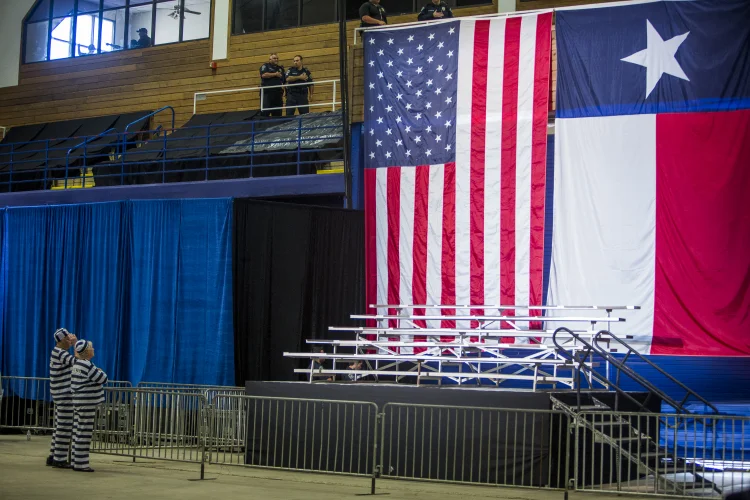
(36, 41)
(62, 8)
(247, 16)
(281, 14)
(140, 2)
(87, 35)
(318, 12)
(113, 30)
(88, 6)
(109, 4)
(60, 48)
(197, 20)
(140, 19)
(41, 11)
(167, 28)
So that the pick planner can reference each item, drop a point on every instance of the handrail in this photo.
(620, 365)
(333, 103)
(125, 132)
(632, 374)
(90, 139)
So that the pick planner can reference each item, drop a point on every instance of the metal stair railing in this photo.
(620, 365)
(642, 466)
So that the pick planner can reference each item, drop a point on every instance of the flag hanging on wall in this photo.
(652, 171)
(455, 151)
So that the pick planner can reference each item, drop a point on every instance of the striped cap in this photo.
(60, 334)
(81, 345)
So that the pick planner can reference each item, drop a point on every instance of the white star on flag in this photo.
(378, 142)
(387, 154)
(390, 41)
(658, 57)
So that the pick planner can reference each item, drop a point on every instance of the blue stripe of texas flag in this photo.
(605, 56)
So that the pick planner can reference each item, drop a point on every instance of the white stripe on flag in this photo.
(466, 67)
(493, 155)
(435, 241)
(381, 226)
(526, 60)
(406, 243)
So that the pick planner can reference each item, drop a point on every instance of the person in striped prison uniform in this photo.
(60, 367)
(88, 392)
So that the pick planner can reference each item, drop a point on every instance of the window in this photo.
(252, 16)
(58, 29)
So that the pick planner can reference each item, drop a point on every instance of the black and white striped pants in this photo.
(63, 429)
(83, 429)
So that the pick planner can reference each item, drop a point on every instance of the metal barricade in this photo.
(153, 424)
(26, 404)
(492, 446)
(337, 437)
(662, 454)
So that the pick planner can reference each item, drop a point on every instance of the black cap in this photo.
(142, 30)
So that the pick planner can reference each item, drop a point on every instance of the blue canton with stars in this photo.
(410, 95)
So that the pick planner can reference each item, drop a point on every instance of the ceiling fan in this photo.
(175, 14)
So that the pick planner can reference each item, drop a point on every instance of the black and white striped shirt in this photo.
(60, 367)
(87, 383)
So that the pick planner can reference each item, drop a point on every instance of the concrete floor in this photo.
(23, 475)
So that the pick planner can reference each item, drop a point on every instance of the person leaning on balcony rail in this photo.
(298, 96)
(272, 75)
(60, 368)
(88, 392)
(372, 14)
(436, 9)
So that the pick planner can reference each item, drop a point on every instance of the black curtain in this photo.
(297, 270)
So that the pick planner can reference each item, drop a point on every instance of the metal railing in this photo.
(603, 451)
(590, 349)
(290, 146)
(336, 437)
(152, 424)
(662, 454)
(201, 96)
(27, 403)
(493, 446)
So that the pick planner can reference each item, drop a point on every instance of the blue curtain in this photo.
(149, 282)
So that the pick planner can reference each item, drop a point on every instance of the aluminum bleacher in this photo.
(496, 347)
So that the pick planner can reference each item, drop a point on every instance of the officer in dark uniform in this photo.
(271, 74)
(436, 9)
(297, 96)
(372, 14)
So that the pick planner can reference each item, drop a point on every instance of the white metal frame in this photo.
(536, 360)
(333, 103)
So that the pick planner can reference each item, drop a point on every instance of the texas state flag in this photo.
(652, 171)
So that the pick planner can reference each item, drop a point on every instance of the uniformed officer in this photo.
(297, 96)
(436, 9)
(372, 14)
(271, 75)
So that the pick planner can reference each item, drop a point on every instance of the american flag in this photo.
(455, 153)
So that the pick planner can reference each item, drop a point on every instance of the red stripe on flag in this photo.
(419, 266)
(448, 263)
(539, 161)
(477, 166)
(371, 245)
(393, 200)
(508, 166)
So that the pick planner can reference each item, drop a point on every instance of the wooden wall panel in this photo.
(135, 80)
